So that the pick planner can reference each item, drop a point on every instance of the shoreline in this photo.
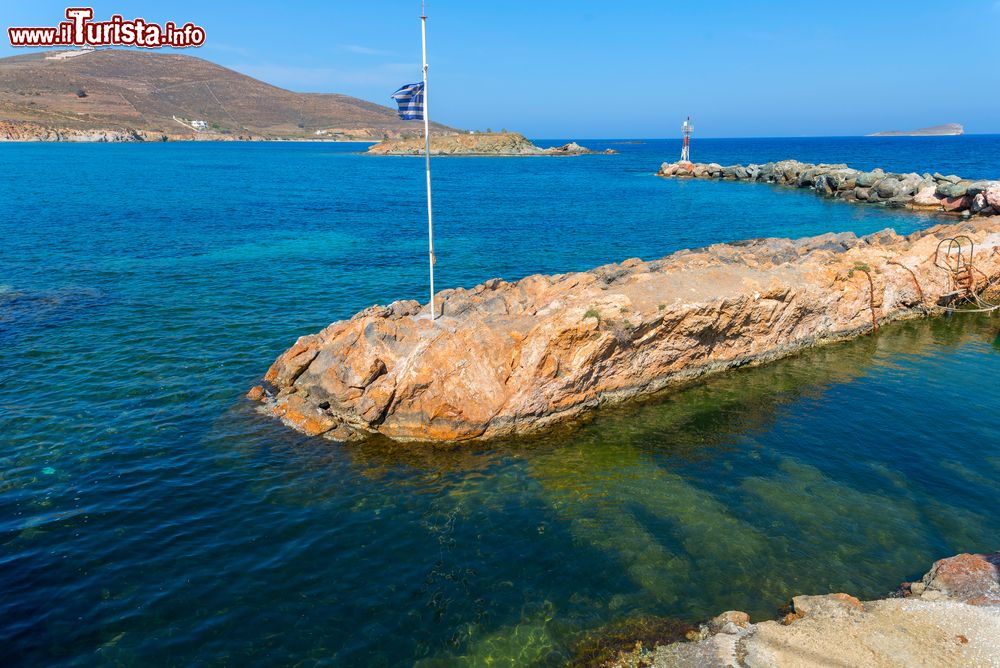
(951, 616)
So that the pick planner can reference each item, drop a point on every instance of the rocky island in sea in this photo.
(946, 130)
(506, 358)
(480, 143)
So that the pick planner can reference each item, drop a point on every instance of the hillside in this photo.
(948, 129)
(139, 91)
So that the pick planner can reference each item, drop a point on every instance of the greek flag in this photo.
(410, 99)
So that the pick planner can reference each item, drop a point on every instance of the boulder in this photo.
(956, 203)
(888, 188)
(926, 197)
(969, 578)
(730, 621)
(979, 203)
(951, 178)
(952, 190)
(867, 179)
(993, 196)
(977, 187)
(863, 194)
(828, 605)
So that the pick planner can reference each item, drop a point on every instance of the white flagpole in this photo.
(427, 156)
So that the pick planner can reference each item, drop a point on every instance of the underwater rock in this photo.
(506, 358)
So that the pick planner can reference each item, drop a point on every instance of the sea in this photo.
(150, 517)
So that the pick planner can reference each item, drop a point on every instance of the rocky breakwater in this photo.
(929, 192)
(505, 358)
(951, 617)
(492, 143)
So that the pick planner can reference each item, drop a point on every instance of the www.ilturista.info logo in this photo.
(79, 30)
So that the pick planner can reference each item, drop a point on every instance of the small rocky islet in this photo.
(925, 192)
(500, 144)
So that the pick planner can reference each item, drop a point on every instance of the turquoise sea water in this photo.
(149, 517)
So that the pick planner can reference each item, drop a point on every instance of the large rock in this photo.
(993, 196)
(970, 578)
(888, 188)
(926, 198)
(509, 358)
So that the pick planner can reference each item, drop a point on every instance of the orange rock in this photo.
(506, 358)
(256, 393)
(849, 600)
(972, 578)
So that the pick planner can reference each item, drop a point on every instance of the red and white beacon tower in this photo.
(686, 130)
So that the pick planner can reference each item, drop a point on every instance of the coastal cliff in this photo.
(493, 143)
(950, 617)
(506, 358)
(926, 192)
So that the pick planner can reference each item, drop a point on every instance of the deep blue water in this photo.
(149, 517)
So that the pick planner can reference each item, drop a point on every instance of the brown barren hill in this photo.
(148, 92)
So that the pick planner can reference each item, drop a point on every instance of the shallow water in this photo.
(149, 517)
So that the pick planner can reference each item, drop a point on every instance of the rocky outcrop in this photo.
(506, 358)
(946, 130)
(22, 131)
(930, 192)
(494, 143)
(957, 627)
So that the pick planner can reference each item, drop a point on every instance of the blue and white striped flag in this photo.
(410, 99)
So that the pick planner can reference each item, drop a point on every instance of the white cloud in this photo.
(363, 50)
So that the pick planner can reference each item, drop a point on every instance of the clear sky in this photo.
(554, 68)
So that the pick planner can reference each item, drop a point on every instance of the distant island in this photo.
(484, 143)
(119, 95)
(948, 129)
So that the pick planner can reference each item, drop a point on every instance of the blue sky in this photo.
(616, 69)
